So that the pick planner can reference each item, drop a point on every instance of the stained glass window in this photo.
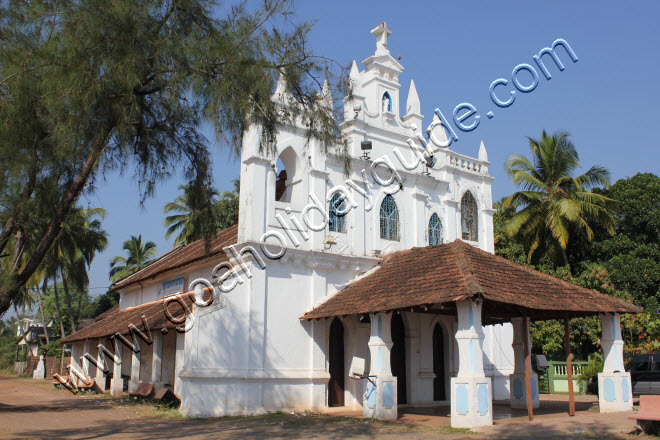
(389, 219)
(435, 230)
(469, 217)
(337, 220)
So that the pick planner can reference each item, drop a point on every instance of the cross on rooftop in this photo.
(381, 32)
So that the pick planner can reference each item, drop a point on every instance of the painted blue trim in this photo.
(388, 395)
(517, 389)
(389, 101)
(535, 389)
(625, 389)
(482, 399)
(462, 400)
(470, 316)
(371, 395)
(608, 389)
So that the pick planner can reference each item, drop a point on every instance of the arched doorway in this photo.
(438, 364)
(336, 364)
(398, 356)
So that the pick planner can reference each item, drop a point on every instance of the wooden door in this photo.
(336, 364)
(438, 364)
(398, 357)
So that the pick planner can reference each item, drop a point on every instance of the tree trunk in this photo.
(67, 300)
(9, 292)
(57, 306)
(564, 257)
(43, 318)
(5, 235)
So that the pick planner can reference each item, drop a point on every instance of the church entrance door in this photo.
(438, 364)
(398, 357)
(336, 364)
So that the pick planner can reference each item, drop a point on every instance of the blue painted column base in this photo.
(518, 390)
(380, 398)
(471, 402)
(614, 392)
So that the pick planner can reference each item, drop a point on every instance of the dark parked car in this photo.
(644, 372)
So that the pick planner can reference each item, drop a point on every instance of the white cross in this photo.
(381, 32)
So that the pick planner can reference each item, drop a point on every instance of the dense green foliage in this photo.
(96, 85)
(226, 208)
(191, 215)
(626, 265)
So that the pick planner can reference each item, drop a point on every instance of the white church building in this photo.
(367, 290)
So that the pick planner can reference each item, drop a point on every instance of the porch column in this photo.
(517, 379)
(135, 365)
(614, 386)
(100, 365)
(84, 360)
(117, 383)
(157, 361)
(74, 365)
(471, 390)
(380, 400)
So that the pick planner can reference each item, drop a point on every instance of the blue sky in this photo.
(607, 101)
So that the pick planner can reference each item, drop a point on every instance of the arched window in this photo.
(435, 230)
(287, 176)
(389, 219)
(387, 102)
(469, 217)
(337, 220)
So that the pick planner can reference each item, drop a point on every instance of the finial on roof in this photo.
(381, 32)
(483, 155)
(326, 94)
(355, 72)
(413, 106)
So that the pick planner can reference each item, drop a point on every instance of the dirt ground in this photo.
(35, 410)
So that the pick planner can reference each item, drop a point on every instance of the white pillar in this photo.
(74, 364)
(517, 383)
(85, 360)
(471, 390)
(135, 365)
(380, 397)
(157, 361)
(614, 385)
(101, 365)
(117, 383)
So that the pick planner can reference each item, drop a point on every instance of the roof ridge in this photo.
(465, 267)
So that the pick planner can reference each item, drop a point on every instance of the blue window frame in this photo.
(389, 219)
(337, 218)
(435, 230)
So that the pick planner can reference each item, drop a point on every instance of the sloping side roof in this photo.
(423, 277)
(167, 313)
(182, 256)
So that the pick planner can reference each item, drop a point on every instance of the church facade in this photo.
(255, 354)
(366, 286)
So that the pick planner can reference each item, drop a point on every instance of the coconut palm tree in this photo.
(553, 202)
(193, 216)
(140, 255)
(72, 253)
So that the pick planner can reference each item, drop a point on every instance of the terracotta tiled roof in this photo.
(182, 256)
(167, 313)
(422, 278)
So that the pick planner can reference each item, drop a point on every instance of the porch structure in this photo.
(473, 288)
(126, 347)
